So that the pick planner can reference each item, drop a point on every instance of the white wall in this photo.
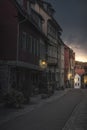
(77, 81)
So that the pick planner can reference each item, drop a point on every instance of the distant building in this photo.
(79, 67)
(66, 64)
(53, 31)
(69, 65)
(77, 81)
(84, 80)
(62, 84)
(72, 67)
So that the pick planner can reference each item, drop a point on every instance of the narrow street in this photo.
(43, 65)
(50, 116)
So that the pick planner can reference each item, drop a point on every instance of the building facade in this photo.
(53, 31)
(69, 66)
(31, 51)
(81, 69)
(66, 64)
(62, 85)
(23, 44)
(72, 67)
(77, 81)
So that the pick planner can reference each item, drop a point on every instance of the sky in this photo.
(72, 17)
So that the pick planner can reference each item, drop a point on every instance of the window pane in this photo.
(20, 2)
(35, 47)
(23, 40)
(29, 43)
(32, 44)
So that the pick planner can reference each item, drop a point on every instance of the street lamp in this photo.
(43, 63)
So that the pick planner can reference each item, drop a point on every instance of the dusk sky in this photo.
(72, 17)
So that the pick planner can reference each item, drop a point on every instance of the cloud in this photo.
(76, 38)
(79, 47)
(72, 17)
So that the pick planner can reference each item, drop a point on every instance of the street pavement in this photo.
(78, 120)
(7, 114)
(58, 112)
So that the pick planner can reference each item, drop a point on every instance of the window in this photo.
(29, 43)
(51, 30)
(40, 24)
(32, 5)
(37, 20)
(23, 40)
(37, 47)
(20, 2)
(75, 84)
(28, 7)
(33, 45)
(42, 49)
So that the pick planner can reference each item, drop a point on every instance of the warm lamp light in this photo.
(69, 76)
(43, 64)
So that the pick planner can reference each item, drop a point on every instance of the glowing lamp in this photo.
(69, 76)
(43, 64)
